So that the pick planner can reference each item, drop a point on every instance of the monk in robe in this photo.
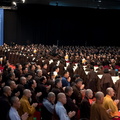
(98, 112)
(93, 80)
(106, 81)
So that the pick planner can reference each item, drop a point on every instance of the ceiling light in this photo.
(23, 1)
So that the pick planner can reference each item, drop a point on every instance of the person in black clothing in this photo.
(5, 104)
(85, 105)
(70, 104)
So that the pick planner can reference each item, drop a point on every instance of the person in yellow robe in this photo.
(108, 102)
(25, 106)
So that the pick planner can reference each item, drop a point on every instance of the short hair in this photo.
(60, 95)
(108, 89)
(58, 76)
(106, 70)
(98, 95)
(42, 78)
(25, 92)
(88, 91)
(13, 99)
(67, 89)
(78, 80)
(51, 94)
(57, 81)
(6, 88)
(22, 78)
(39, 70)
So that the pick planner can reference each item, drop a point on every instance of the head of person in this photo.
(66, 74)
(89, 93)
(51, 97)
(78, 82)
(39, 72)
(58, 83)
(12, 84)
(44, 65)
(110, 91)
(68, 90)
(61, 97)
(27, 93)
(32, 83)
(23, 80)
(15, 102)
(99, 97)
(7, 91)
(56, 68)
(76, 76)
(18, 66)
(43, 79)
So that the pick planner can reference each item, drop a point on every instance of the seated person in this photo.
(109, 103)
(98, 112)
(48, 107)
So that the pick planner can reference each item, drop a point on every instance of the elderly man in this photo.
(109, 103)
(48, 106)
(13, 113)
(98, 112)
(60, 109)
(85, 104)
(25, 105)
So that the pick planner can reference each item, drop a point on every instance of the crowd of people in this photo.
(51, 80)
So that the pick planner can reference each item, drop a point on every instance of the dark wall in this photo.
(70, 26)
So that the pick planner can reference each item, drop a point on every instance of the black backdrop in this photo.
(65, 25)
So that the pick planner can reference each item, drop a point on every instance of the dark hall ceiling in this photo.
(101, 4)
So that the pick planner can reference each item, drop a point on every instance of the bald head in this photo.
(110, 91)
(7, 91)
(27, 93)
(61, 98)
(99, 97)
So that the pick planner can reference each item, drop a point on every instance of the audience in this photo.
(31, 72)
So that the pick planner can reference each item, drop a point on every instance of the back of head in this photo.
(25, 92)
(78, 80)
(68, 89)
(99, 95)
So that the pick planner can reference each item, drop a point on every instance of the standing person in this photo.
(60, 109)
(25, 105)
(48, 106)
(106, 81)
(77, 95)
(93, 80)
(98, 112)
(109, 103)
(13, 113)
(85, 105)
(70, 104)
(5, 104)
(117, 89)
